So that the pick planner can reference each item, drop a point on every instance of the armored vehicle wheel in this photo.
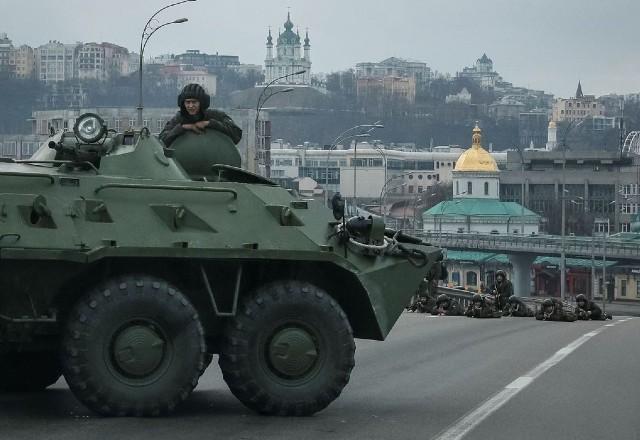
(133, 347)
(29, 371)
(289, 351)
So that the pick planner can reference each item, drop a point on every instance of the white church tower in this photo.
(288, 59)
(552, 136)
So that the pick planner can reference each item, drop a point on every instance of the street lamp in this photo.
(345, 135)
(382, 200)
(264, 96)
(147, 32)
(563, 256)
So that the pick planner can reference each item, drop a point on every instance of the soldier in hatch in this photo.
(482, 306)
(586, 310)
(446, 306)
(422, 301)
(517, 307)
(554, 310)
(196, 116)
(503, 290)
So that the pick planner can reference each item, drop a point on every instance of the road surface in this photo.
(434, 378)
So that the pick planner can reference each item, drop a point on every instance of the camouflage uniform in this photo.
(503, 290)
(555, 310)
(482, 306)
(516, 307)
(424, 299)
(446, 306)
(586, 310)
(218, 120)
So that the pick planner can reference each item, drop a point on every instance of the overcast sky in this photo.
(541, 44)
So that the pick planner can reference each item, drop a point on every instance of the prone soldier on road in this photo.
(555, 310)
(503, 290)
(586, 309)
(422, 301)
(482, 306)
(517, 307)
(446, 306)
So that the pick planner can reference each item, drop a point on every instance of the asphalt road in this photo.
(516, 377)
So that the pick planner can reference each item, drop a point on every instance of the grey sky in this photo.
(542, 44)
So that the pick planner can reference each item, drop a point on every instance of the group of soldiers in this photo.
(500, 302)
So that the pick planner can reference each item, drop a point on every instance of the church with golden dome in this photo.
(476, 205)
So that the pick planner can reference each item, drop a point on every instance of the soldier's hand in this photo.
(193, 127)
(202, 124)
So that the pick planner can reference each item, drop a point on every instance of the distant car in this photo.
(494, 232)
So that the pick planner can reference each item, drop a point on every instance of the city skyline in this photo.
(590, 42)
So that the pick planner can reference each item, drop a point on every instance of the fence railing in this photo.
(579, 246)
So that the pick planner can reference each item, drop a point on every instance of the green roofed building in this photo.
(476, 205)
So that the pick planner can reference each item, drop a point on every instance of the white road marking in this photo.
(610, 325)
(477, 416)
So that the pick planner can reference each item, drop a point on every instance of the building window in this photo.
(469, 188)
(145, 123)
(117, 124)
(420, 189)
(472, 279)
(410, 189)
(159, 124)
(455, 278)
(132, 123)
(623, 287)
(486, 188)
(457, 188)
(637, 288)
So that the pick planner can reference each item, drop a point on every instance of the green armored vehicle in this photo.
(125, 266)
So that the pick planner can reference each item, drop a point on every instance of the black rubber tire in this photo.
(97, 350)
(280, 307)
(29, 371)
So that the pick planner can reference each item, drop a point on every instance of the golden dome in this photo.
(476, 158)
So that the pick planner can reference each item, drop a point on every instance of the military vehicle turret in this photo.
(125, 266)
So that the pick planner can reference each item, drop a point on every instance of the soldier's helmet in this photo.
(442, 299)
(581, 300)
(501, 273)
(477, 298)
(512, 299)
(547, 304)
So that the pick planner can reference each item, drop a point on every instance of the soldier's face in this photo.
(192, 106)
(582, 304)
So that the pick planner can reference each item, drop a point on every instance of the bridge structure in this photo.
(522, 250)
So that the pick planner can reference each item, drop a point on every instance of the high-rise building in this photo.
(288, 59)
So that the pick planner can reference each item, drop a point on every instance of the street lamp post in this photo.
(345, 135)
(563, 256)
(147, 32)
(383, 193)
(264, 96)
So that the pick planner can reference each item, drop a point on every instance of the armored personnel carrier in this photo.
(126, 266)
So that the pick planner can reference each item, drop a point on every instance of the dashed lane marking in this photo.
(468, 422)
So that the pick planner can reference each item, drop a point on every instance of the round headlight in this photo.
(89, 128)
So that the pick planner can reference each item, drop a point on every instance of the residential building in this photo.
(7, 57)
(204, 61)
(395, 67)
(25, 62)
(56, 61)
(186, 74)
(462, 97)
(102, 61)
(506, 108)
(380, 91)
(288, 59)
(577, 108)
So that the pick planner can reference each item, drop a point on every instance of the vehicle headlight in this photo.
(89, 128)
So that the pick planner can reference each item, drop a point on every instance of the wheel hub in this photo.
(292, 352)
(138, 350)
